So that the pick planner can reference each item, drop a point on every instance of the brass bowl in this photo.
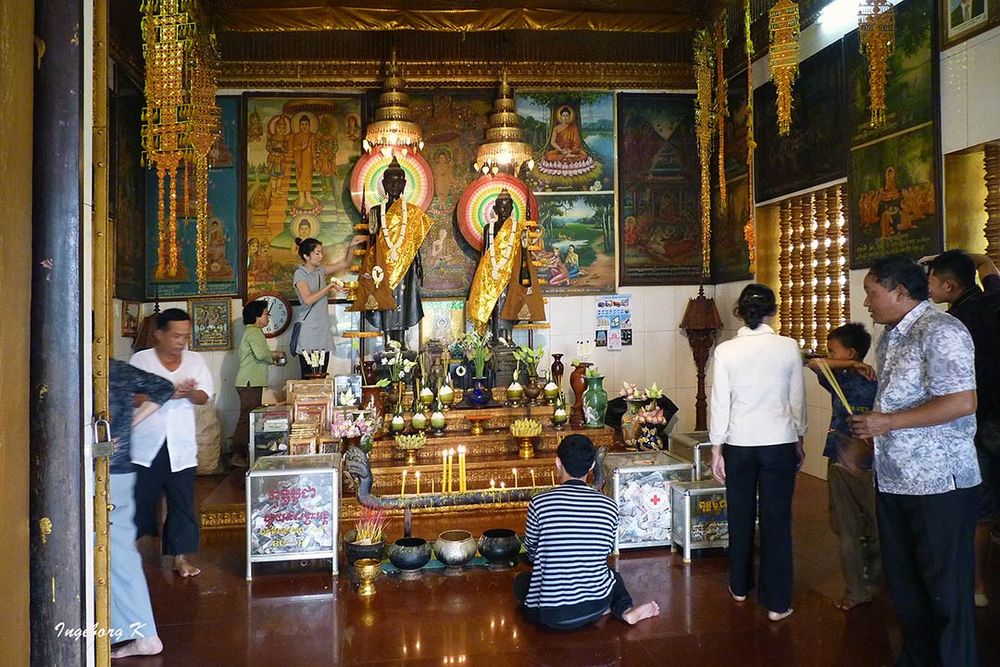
(455, 548)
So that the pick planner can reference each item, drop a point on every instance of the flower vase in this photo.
(532, 390)
(557, 369)
(479, 396)
(577, 384)
(631, 423)
(595, 402)
(649, 438)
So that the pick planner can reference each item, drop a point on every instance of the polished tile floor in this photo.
(295, 615)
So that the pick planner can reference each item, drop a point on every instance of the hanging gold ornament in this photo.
(784, 57)
(877, 29)
(749, 230)
(205, 124)
(704, 69)
(722, 108)
(168, 29)
(392, 128)
(505, 148)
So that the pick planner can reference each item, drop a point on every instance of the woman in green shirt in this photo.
(255, 357)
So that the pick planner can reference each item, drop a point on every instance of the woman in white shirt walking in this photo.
(758, 418)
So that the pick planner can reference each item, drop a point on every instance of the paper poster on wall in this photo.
(614, 321)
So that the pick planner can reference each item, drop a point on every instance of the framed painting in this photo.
(223, 250)
(578, 250)
(127, 188)
(572, 139)
(299, 152)
(210, 325)
(454, 124)
(346, 391)
(962, 19)
(131, 313)
(444, 321)
(730, 251)
(815, 149)
(658, 183)
(911, 77)
(895, 204)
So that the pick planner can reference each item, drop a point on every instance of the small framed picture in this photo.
(443, 321)
(210, 325)
(347, 391)
(130, 318)
(961, 19)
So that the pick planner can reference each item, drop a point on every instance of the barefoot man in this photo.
(165, 447)
(569, 534)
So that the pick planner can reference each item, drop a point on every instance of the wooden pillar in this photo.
(991, 162)
(16, 64)
(56, 493)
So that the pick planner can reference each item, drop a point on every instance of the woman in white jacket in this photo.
(757, 420)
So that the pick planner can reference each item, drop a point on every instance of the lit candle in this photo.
(402, 487)
(532, 478)
(493, 484)
(552, 477)
(417, 475)
(461, 469)
(514, 470)
(503, 485)
(444, 468)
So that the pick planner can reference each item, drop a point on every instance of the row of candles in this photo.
(447, 480)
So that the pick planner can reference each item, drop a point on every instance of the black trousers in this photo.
(180, 530)
(929, 563)
(767, 473)
(571, 617)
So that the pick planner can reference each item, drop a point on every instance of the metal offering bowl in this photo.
(455, 548)
(367, 570)
(410, 554)
(500, 546)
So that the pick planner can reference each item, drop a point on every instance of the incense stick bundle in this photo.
(828, 374)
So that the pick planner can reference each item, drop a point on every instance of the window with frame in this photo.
(813, 266)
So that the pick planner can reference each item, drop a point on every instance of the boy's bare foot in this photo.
(184, 568)
(641, 613)
(142, 646)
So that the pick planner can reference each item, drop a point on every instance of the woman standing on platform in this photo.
(251, 378)
(309, 279)
(758, 418)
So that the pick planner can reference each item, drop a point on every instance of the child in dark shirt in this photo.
(849, 474)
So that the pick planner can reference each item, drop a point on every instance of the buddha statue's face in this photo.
(394, 181)
(503, 207)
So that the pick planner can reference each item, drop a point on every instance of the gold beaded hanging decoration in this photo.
(205, 123)
(704, 66)
(877, 29)
(168, 29)
(721, 107)
(784, 57)
(749, 229)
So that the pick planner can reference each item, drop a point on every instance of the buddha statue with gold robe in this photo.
(505, 266)
(391, 274)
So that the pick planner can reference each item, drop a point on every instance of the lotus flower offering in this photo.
(410, 445)
(525, 431)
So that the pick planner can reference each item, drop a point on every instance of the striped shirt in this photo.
(569, 534)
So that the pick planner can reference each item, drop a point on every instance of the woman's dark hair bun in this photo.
(755, 303)
(298, 240)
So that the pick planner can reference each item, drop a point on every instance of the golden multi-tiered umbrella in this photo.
(392, 127)
(877, 29)
(505, 146)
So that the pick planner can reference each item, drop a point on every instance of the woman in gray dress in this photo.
(313, 290)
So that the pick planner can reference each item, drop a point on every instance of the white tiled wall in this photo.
(969, 90)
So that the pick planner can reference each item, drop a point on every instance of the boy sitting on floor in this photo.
(849, 469)
(569, 534)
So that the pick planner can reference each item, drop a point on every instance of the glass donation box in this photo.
(292, 509)
(695, 447)
(640, 483)
(699, 516)
(269, 428)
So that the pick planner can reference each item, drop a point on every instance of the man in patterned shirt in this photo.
(923, 424)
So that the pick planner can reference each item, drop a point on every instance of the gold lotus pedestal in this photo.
(526, 445)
